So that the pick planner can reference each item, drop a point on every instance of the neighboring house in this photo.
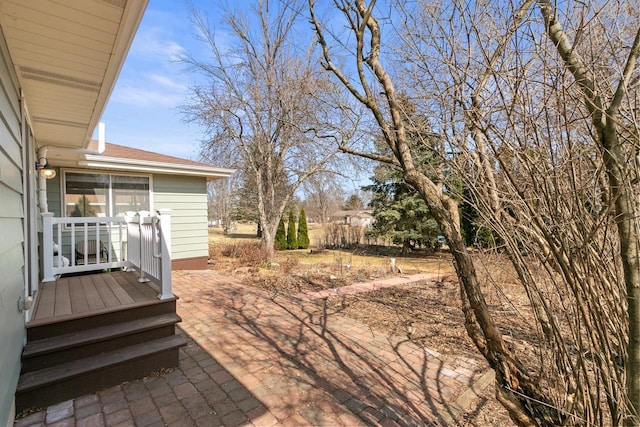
(122, 179)
(362, 218)
(59, 61)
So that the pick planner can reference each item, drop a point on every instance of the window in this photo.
(129, 193)
(102, 195)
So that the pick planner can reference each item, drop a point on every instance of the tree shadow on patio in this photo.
(318, 367)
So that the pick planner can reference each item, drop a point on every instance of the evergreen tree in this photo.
(280, 241)
(292, 241)
(303, 233)
(353, 203)
(474, 233)
(400, 213)
(245, 207)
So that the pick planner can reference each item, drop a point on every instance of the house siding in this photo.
(187, 198)
(54, 197)
(12, 261)
(55, 205)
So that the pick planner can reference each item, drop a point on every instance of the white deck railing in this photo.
(149, 247)
(140, 241)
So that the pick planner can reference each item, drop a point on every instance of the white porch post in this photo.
(143, 257)
(165, 250)
(47, 247)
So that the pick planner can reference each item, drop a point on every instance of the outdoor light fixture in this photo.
(46, 170)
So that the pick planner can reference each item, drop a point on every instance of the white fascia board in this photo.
(112, 163)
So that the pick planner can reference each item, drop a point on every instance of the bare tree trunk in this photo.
(508, 107)
(512, 380)
(270, 207)
(606, 121)
(266, 109)
(268, 238)
(626, 216)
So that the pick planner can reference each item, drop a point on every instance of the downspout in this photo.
(42, 160)
(42, 182)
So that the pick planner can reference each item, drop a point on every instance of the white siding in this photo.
(12, 261)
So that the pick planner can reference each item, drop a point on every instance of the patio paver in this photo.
(259, 359)
(358, 288)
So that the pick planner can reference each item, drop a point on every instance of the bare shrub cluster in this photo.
(342, 235)
(535, 107)
(252, 254)
(215, 250)
(288, 265)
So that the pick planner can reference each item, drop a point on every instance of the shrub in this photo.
(215, 250)
(303, 232)
(292, 240)
(288, 265)
(248, 253)
(280, 241)
(230, 250)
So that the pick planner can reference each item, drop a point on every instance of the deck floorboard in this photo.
(118, 290)
(79, 302)
(93, 297)
(46, 302)
(134, 289)
(77, 295)
(108, 298)
(63, 300)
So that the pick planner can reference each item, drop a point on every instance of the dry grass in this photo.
(245, 233)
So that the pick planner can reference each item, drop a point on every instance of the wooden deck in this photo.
(92, 332)
(78, 296)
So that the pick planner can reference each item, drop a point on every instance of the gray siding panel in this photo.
(191, 245)
(7, 144)
(53, 194)
(12, 261)
(11, 206)
(10, 174)
(187, 198)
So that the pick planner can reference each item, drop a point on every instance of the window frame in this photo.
(63, 187)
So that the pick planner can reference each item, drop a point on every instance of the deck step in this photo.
(76, 339)
(74, 378)
(41, 329)
(58, 349)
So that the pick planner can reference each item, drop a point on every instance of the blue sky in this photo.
(144, 109)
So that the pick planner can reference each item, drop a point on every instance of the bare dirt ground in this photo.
(428, 313)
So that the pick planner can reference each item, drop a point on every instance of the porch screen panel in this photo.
(130, 193)
(86, 195)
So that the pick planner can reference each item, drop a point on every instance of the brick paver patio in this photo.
(358, 288)
(260, 359)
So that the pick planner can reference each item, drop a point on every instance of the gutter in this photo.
(135, 165)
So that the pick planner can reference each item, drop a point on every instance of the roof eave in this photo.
(133, 165)
(132, 16)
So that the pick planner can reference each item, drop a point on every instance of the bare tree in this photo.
(322, 197)
(541, 115)
(222, 195)
(260, 105)
(605, 68)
